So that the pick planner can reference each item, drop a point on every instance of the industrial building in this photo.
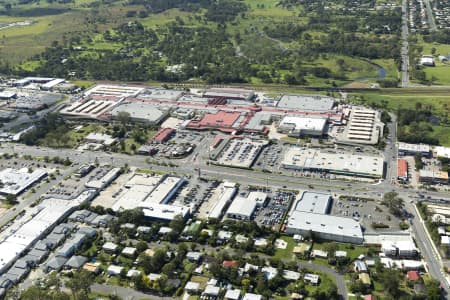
(324, 227)
(402, 170)
(405, 149)
(242, 208)
(229, 93)
(161, 94)
(92, 108)
(15, 181)
(440, 151)
(306, 102)
(317, 203)
(364, 126)
(223, 195)
(151, 193)
(434, 177)
(34, 225)
(114, 90)
(399, 248)
(309, 215)
(141, 112)
(363, 165)
(302, 126)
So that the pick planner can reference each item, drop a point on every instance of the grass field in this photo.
(286, 253)
(441, 72)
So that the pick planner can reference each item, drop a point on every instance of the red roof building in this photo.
(225, 121)
(230, 264)
(163, 135)
(402, 169)
(369, 297)
(413, 275)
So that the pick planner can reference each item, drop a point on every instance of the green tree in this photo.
(123, 117)
(433, 289)
(177, 223)
(390, 279)
(394, 203)
(80, 285)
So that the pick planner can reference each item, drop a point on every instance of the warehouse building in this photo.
(405, 149)
(317, 203)
(16, 181)
(141, 112)
(442, 151)
(152, 193)
(90, 108)
(229, 93)
(370, 166)
(37, 223)
(161, 94)
(364, 127)
(324, 227)
(302, 126)
(306, 102)
(405, 248)
(220, 198)
(242, 208)
(114, 90)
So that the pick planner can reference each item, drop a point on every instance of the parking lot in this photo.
(277, 207)
(270, 157)
(366, 212)
(240, 153)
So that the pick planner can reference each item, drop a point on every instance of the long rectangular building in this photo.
(402, 170)
(324, 227)
(350, 164)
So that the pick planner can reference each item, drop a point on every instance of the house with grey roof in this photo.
(37, 255)
(5, 282)
(90, 219)
(20, 273)
(87, 231)
(55, 264)
(40, 245)
(66, 250)
(53, 240)
(75, 262)
(63, 228)
(102, 220)
(82, 215)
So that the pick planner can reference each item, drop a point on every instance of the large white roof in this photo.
(15, 181)
(324, 224)
(306, 102)
(313, 202)
(345, 163)
(304, 123)
(242, 206)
